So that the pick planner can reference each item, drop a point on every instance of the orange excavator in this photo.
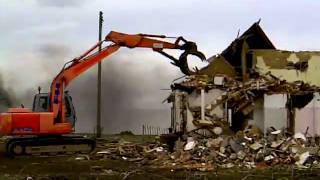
(48, 127)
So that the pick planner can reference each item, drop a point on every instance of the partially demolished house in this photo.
(250, 83)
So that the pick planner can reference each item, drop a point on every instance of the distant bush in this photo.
(126, 133)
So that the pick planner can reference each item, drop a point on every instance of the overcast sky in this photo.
(37, 36)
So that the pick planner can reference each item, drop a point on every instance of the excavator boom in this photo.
(85, 61)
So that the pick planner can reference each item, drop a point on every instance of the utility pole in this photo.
(99, 129)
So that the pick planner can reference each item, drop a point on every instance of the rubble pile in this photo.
(245, 149)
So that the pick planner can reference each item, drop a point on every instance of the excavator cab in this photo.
(41, 104)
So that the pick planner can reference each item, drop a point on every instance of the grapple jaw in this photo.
(190, 49)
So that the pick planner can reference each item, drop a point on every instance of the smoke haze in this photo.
(6, 99)
(131, 94)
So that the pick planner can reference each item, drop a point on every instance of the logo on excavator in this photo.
(158, 45)
(56, 94)
(22, 130)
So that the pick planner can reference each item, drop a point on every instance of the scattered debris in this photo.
(256, 146)
(276, 132)
(190, 144)
(224, 151)
(104, 152)
(300, 136)
(82, 157)
(303, 158)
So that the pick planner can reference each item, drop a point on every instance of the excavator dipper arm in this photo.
(87, 60)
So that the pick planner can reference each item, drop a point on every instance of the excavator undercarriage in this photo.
(49, 145)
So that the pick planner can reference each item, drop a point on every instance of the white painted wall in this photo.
(309, 116)
(275, 111)
(271, 111)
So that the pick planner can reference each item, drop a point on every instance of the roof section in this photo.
(236, 53)
(254, 37)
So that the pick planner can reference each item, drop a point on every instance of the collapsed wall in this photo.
(250, 83)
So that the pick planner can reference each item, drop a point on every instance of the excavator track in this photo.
(49, 145)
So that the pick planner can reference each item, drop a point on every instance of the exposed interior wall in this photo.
(270, 111)
(287, 65)
(275, 111)
(258, 114)
(190, 125)
(194, 102)
(308, 117)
